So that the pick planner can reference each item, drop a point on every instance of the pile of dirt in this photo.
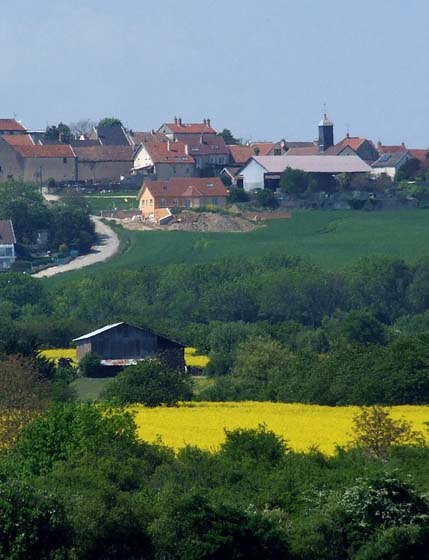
(210, 221)
(196, 221)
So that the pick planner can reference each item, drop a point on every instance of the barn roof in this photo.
(98, 331)
(115, 325)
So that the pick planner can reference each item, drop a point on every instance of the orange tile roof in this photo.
(184, 187)
(242, 154)
(45, 151)
(168, 152)
(190, 128)
(306, 151)
(11, 125)
(18, 139)
(391, 149)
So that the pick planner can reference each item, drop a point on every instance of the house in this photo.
(240, 155)
(163, 160)
(388, 164)
(122, 344)
(382, 149)
(137, 138)
(110, 135)
(102, 163)
(181, 193)
(11, 127)
(354, 145)
(178, 130)
(262, 168)
(208, 151)
(35, 163)
(7, 245)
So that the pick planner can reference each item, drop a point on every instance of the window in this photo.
(188, 203)
(175, 202)
(163, 203)
(64, 160)
(214, 201)
(1, 170)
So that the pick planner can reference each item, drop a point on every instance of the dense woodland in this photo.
(276, 328)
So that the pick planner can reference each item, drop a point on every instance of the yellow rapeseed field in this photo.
(303, 426)
(192, 359)
(57, 353)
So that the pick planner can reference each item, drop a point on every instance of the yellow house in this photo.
(194, 192)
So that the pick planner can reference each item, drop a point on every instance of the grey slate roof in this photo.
(314, 164)
(112, 136)
(7, 235)
(390, 160)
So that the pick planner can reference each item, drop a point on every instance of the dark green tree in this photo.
(408, 170)
(58, 132)
(267, 199)
(228, 137)
(110, 121)
(294, 181)
(149, 383)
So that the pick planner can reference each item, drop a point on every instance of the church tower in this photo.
(326, 133)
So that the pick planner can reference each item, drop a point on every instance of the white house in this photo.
(7, 245)
(258, 168)
(389, 163)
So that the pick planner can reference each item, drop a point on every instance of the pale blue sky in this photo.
(262, 69)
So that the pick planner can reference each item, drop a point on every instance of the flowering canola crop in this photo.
(302, 426)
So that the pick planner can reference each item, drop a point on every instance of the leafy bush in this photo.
(149, 383)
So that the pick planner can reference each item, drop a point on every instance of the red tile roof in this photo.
(18, 139)
(207, 144)
(391, 149)
(242, 154)
(168, 152)
(104, 153)
(46, 151)
(184, 187)
(11, 125)
(190, 128)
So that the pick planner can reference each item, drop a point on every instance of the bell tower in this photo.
(326, 133)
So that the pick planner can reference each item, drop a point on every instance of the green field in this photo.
(111, 202)
(329, 239)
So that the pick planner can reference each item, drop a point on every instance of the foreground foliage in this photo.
(80, 484)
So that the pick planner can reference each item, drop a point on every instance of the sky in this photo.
(265, 70)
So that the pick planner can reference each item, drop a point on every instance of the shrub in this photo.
(149, 383)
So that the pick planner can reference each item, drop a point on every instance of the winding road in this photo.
(106, 246)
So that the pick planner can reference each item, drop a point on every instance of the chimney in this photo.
(208, 123)
(180, 122)
(175, 120)
(205, 121)
(153, 131)
(187, 149)
(168, 146)
(403, 144)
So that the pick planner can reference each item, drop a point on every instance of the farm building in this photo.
(122, 344)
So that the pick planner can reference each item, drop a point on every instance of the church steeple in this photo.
(326, 133)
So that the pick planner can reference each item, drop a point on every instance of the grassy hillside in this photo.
(329, 239)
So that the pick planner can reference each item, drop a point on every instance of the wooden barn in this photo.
(122, 344)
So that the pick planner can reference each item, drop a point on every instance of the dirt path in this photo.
(106, 246)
